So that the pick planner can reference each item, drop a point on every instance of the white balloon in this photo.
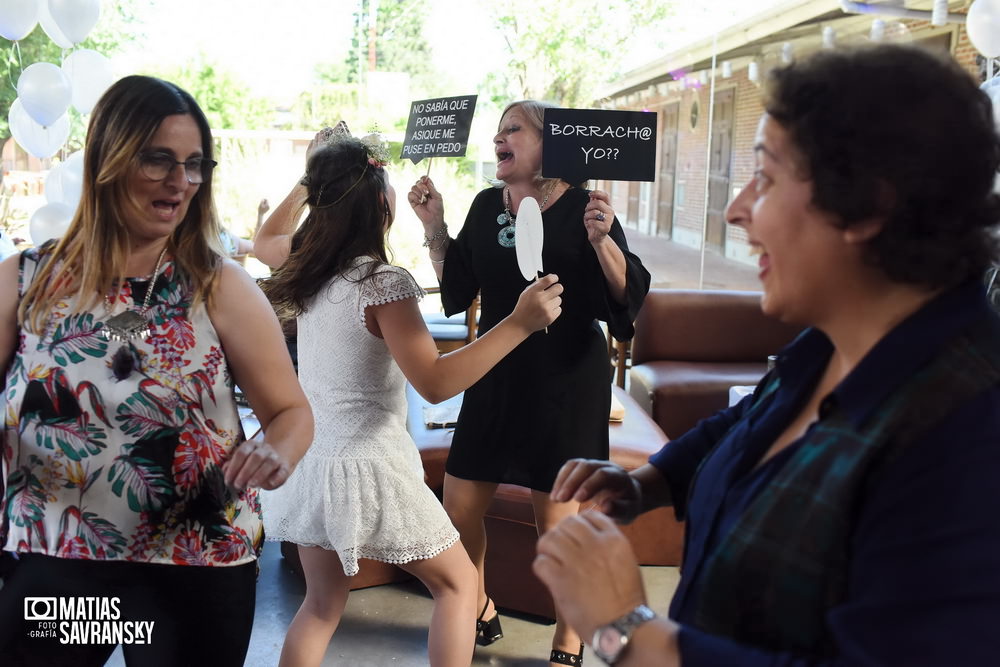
(49, 222)
(983, 25)
(18, 18)
(53, 183)
(42, 142)
(44, 90)
(50, 27)
(90, 74)
(72, 180)
(64, 183)
(76, 18)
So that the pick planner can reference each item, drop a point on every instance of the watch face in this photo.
(610, 640)
(609, 643)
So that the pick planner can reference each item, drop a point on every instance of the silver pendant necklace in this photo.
(128, 326)
(506, 235)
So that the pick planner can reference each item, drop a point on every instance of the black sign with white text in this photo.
(583, 144)
(438, 127)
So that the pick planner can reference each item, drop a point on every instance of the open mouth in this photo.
(504, 156)
(164, 207)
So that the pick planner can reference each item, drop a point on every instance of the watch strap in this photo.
(623, 627)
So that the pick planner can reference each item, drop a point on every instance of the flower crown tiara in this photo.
(375, 145)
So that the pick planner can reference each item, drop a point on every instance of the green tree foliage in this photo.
(347, 90)
(325, 104)
(565, 56)
(222, 95)
(113, 30)
(400, 45)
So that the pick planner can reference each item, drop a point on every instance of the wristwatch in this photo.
(610, 640)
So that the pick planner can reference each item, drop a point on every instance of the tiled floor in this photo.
(674, 265)
(386, 626)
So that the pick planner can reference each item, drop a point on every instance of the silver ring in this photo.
(600, 216)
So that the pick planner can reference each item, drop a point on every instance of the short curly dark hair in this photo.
(899, 132)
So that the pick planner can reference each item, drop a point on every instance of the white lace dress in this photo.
(360, 488)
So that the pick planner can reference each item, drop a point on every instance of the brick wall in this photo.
(748, 111)
(689, 216)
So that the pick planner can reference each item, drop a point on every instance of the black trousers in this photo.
(200, 615)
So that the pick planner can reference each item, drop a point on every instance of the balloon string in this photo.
(14, 49)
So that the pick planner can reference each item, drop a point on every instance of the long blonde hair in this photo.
(90, 258)
(534, 112)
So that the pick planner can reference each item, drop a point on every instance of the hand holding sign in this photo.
(426, 202)
(598, 216)
(581, 144)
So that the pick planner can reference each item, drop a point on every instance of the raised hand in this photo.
(324, 136)
(607, 485)
(426, 202)
(598, 216)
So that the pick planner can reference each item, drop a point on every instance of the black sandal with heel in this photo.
(564, 658)
(489, 631)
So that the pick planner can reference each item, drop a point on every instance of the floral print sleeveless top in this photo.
(99, 468)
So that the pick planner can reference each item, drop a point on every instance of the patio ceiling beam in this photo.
(894, 10)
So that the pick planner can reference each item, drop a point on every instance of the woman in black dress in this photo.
(548, 400)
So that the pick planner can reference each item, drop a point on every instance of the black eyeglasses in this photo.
(157, 166)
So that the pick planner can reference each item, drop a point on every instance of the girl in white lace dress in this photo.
(360, 491)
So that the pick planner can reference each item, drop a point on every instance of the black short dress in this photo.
(548, 400)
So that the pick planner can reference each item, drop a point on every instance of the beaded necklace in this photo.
(506, 235)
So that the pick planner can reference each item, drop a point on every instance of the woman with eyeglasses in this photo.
(130, 493)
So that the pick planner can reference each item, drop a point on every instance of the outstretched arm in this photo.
(437, 377)
(618, 493)
(273, 241)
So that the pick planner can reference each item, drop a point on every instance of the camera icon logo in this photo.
(40, 609)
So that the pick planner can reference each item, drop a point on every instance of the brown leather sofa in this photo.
(691, 346)
(656, 537)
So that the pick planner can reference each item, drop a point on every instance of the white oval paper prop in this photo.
(528, 238)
